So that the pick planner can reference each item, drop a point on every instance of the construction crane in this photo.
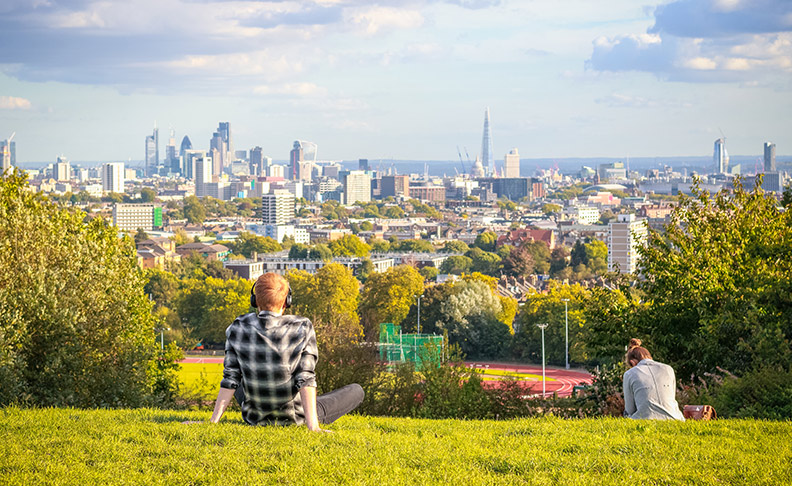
(460, 161)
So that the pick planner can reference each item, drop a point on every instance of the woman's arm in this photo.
(629, 399)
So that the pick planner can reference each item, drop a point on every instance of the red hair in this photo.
(271, 290)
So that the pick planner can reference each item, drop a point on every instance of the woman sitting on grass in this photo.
(649, 386)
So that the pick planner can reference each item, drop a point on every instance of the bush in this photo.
(763, 394)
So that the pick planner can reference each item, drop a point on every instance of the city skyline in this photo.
(379, 81)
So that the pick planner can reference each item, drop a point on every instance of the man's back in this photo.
(271, 357)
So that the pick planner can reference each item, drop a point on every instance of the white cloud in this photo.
(373, 20)
(14, 103)
(292, 89)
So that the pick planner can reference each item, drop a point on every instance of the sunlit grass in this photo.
(65, 446)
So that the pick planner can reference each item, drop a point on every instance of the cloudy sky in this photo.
(397, 79)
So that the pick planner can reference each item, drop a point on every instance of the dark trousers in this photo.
(329, 406)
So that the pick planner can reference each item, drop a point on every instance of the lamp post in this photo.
(543, 327)
(566, 327)
(162, 336)
(419, 312)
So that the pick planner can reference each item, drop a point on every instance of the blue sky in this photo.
(397, 79)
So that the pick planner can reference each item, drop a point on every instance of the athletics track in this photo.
(559, 380)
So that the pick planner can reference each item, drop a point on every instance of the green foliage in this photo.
(518, 262)
(247, 243)
(413, 246)
(548, 308)
(141, 235)
(393, 212)
(429, 273)
(379, 246)
(486, 241)
(551, 208)
(75, 325)
(330, 299)
(194, 210)
(366, 226)
(207, 307)
(720, 284)
(484, 261)
(455, 246)
(365, 269)
(388, 296)
(298, 251)
(320, 251)
(148, 195)
(163, 374)
(180, 237)
(762, 394)
(349, 245)
(457, 265)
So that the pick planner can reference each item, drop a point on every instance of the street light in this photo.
(543, 327)
(419, 312)
(566, 321)
(162, 336)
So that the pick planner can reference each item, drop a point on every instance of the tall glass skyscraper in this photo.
(152, 152)
(721, 156)
(769, 157)
(487, 155)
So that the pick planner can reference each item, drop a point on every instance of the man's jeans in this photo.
(329, 406)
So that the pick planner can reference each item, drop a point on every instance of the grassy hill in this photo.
(65, 446)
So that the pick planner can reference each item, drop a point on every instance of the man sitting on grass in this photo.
(269, 365)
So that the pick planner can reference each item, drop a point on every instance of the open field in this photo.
(66, 446)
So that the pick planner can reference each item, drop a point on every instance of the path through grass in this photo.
(64, 446)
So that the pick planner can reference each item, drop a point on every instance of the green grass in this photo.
(65, 446)
(194, 374)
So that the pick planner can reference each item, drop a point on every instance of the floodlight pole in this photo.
(162, 337)
(544, 379)
(419, 312)
(566, 327)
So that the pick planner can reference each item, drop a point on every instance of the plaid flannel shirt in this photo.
(271, 357)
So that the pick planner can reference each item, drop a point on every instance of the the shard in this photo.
(487, 156)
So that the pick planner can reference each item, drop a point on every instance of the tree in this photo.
(606, 217)
(455, 246)
(380, 246)
(486, 241)
(209, 306)
(141, 235)
(519, 262)
(559, 260)
(365, 269)
(394, 212)
(298, 251)
(349, 245)
(484, 262)
(194, 210)
(330, 299)
(387, 296)
(457, 265)
(429, 273)
(180, 237)
(75, 323)
(147, 195)
(366, 226)
(247, 243)
(413, 246)
(540, 254)
(551, 208)
(719, 280)
(320, 251)
(548, 308)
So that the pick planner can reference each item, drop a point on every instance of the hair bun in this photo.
(635, 342)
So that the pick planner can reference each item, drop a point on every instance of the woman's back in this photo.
(650, 392)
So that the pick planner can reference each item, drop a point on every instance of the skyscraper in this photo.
(172, 164)
(256, 161)
(721, 156)
(511, 164)
(221, 141)
(185, 145)
(113, 177)
(487, 155)
(295, 158)
(8, 153)
(769, 157)
(62, 170)
(203, 175)
(152, 152)
(189, 157)
(363, 164)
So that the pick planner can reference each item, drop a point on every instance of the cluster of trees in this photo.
(196, 210)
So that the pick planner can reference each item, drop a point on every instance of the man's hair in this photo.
(271, 290)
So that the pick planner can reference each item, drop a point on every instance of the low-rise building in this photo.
(210, 252)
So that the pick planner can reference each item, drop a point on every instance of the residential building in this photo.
(62, 170)
(519, 236)
(281, 265)
(157, 253)
(277, 208)
(247, 269)
(280, 231)
(583, 214)
(625, 236)
(357, 187)
(511, 164)
(113, 177)
(131, 217)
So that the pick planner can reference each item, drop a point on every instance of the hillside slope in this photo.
(65, 446)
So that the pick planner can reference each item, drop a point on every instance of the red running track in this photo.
(564, 380)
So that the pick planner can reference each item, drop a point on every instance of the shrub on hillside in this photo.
(75, 324)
